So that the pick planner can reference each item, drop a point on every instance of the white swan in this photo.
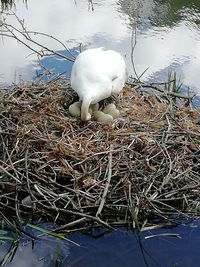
(96, 75)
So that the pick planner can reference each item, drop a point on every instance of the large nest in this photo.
(142, 167)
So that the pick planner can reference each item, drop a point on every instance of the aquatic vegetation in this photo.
(21, 239)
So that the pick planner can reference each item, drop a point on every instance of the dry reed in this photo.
(144, 166)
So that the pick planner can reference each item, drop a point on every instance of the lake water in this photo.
(167, 36)
(167, 39)
(115, 249)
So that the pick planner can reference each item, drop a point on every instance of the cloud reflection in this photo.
(72, 24)
(158, 47)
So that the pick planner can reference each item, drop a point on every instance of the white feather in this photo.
(96, 75)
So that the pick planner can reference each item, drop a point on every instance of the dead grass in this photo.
(144, 166)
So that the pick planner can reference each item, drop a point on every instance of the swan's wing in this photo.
(99, 73)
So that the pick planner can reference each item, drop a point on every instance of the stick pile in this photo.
(144, 166)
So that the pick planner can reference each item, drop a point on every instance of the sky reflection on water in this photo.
(115, 249)
(168, 35)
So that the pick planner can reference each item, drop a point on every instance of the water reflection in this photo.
(166, 32)
(161, 13)
(24, 255)
(42, 251)
(5, 4)
(168, 35)
(167, 39)
(118, 248)
(74, 25)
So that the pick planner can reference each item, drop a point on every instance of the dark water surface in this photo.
(126, 249)
(168, 39)
(119, 248)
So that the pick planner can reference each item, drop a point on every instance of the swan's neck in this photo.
(85, 115)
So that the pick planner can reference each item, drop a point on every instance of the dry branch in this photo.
(144, 166)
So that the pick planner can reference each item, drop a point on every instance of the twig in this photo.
(107, 183)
